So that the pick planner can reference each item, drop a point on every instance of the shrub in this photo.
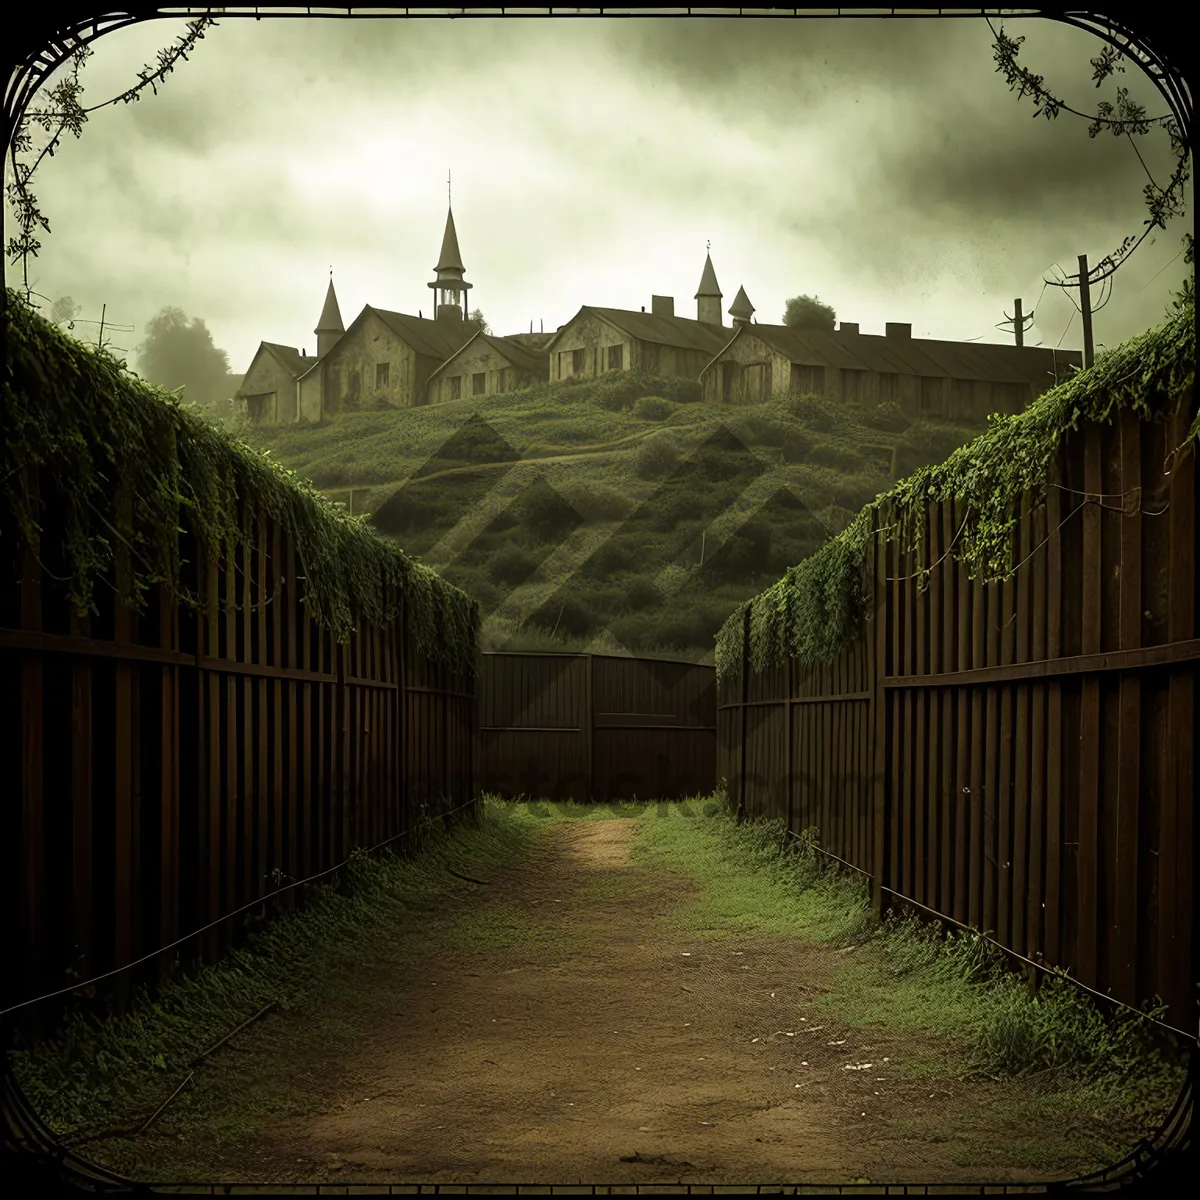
(885, 417)
(511, 565)
(642, 594)
(655, 457)
(683, 391)
(761, 431)
(653, 408)
(814, 412)
(824, 454)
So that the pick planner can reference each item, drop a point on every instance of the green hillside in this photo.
(618, 513)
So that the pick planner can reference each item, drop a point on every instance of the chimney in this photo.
(848, 327)
(662, 306)
(894, 329)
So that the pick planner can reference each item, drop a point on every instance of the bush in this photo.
(642, 594)
(653, 408)
(761, 431)
(885, 417)
(825, 455)
(814, 412)
(655, 457)
(683, 391)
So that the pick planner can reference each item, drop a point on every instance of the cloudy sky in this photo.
(881, 164)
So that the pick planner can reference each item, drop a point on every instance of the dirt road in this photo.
(607, 1047)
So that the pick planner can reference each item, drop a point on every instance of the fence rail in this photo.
(1017, 756)
(167, 769)
(596, 727)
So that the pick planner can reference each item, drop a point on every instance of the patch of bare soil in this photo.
(642, 1055)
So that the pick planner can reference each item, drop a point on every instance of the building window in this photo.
(616, 358)
(456, 387)
(728, 380)
(576, 362)
(653, 359)
(501, 380)
(381, 375)
(479, 383)
(562, 358)
(808, 381)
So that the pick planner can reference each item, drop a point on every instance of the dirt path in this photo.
(603, 1047)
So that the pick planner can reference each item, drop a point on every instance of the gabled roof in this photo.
(450, 259)
(433, 339)
(289, 357)
(331, 316)
(664, 331)
(708, 281)
(910, 356)
(521, 356)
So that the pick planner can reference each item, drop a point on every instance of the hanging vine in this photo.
(77, 414)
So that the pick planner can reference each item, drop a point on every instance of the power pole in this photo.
(1085, 308)
(1019, 321)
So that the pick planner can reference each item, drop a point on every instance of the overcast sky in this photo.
(880, 164)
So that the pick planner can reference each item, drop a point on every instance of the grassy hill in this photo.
(612, 514)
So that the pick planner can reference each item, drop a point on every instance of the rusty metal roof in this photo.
(681, 332)
(914, 356)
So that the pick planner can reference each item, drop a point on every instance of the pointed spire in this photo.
(450, 258)
(741, 310)
(329, 326)
(708, 281)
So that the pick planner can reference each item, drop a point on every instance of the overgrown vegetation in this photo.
(77, 415)
(815, 609)
(755, 877)
(105, 1074)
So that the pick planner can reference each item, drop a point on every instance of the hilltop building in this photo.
(922, 377)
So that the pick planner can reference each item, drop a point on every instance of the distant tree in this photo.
(177, 354)
(64, 311)
(808, 312)
(478, 321)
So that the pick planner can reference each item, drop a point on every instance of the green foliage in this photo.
(809, 312)
(599, 503)
(657, 456)
(181, 354)
(796, 446)
(653, 408)
(817, 607)
(814, 412)
(886, 417)
(74, 413)
(761, 431)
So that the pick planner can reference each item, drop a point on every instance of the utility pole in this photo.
(1019, 321)
(1085, 307)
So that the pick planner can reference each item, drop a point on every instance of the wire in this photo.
(1157, 274)
(75, 987)
(1064, 332)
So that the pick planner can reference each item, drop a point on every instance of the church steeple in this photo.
(329, 327)
(741, 310)
(449, 286)
(708, 298)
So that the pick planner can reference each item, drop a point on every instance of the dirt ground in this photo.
(640, 1055)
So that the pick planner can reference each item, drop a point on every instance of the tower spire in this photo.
(329, 325)
(449, 286)
(708, 295)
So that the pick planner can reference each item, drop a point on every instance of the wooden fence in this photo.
(1018, 756)
(596, 727)
(164, 771)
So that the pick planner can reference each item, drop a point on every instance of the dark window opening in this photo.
(382, 374)
(479, 383)
(456, 387)
(576, 362)
(616, 357)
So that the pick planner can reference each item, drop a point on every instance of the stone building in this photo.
(271, 386)
(488, 366)
(922, 377)
(598, 340)
(384, 359)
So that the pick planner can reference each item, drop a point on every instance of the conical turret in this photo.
(741, 310)
(329, 327)
(708, 297)
(449, 286)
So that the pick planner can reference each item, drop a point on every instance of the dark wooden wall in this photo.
(596, 727)
(1019, 757)
(163, 771)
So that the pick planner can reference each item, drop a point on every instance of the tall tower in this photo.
(329, 327)
(708, 298)
(449, 286)
(741, 310)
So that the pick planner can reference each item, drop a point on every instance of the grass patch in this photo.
(102, 1074)
(907, 977)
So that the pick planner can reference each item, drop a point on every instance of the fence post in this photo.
(741, 800)
(878, 755)
(589, 725)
